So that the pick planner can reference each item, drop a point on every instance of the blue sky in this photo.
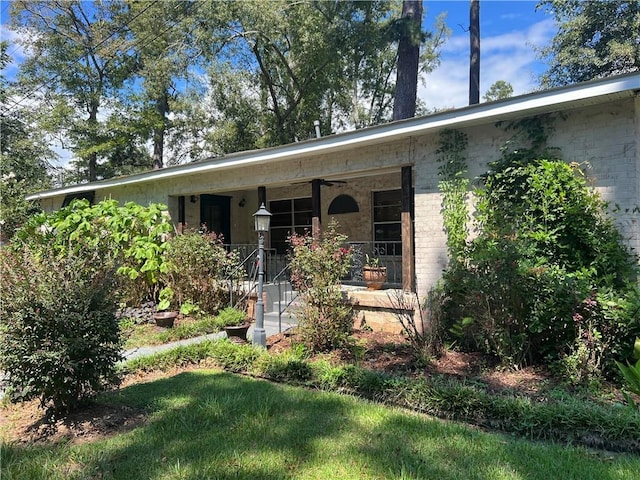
(509, 29)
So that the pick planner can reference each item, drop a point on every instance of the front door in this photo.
(215, 213)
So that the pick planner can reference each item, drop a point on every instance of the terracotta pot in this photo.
(237, 333)
(165, 319)
(374, 277)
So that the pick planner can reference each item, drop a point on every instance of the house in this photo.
(381, 183)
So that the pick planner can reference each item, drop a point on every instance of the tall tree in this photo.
(474, 52)
(498, 90)
(594, 40)
(303, 61)
(410, 39)
(23, 156)
(78, 58)
(165, 51)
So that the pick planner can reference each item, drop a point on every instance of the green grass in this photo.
(213, 425)
(148, 334)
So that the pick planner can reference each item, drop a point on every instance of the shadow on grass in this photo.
(210, 425)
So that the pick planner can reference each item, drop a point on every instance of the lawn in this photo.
(206, 424)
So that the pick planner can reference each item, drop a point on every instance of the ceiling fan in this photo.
(327, 183)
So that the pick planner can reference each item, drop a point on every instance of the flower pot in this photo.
(165, 319)
(374, 277)
(237, 333)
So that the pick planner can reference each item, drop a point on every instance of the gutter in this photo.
(592, 92)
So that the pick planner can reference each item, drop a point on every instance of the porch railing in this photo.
(388, 253)
(273, 262)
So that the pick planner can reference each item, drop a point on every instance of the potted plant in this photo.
(373, 273)
(235, 323)
(163, 316)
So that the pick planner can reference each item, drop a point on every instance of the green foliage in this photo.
(132, 235)
(593, 40)
(547, 278)
(199, 270)
(498, 90)
(71, 50)
(165, 299)
(231, 356)
(631, 374)
(230, 316)
(567, 420)
(325, 317)
(146, 334)
(454, 187)
(290, 366)
(59, 338)
(23, 154)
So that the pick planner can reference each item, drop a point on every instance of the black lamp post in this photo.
(262, 220)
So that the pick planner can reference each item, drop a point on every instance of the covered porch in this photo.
(374, 211)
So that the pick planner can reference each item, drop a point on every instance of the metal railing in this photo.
(273, 261)
(389, 254)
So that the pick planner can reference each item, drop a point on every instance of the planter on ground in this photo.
(165, 319)
(237, 333)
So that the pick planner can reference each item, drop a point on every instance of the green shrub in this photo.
(547, 278)
(59, 339)
(230, 316)
(132, 235)
(325, 317)
(200, 270)
(631, 373)
(288, 366)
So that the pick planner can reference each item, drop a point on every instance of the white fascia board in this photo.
(596, 91)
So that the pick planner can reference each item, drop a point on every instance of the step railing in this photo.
(283, 277)
(250, 272)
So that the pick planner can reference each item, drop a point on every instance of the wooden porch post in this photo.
(407, 230)
(262, 196)
(316, 208)
(181, 214)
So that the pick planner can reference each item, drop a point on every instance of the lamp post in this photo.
(262, 220)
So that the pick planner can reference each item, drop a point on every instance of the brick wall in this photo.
(607, 136)
(605, 139)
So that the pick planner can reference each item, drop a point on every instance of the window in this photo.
(387, 226)
(343, 204)
(291, 215)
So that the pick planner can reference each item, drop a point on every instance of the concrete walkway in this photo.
(271, 326)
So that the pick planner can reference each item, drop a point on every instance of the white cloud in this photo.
(510, 57)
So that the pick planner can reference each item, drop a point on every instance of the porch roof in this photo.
(573, 96)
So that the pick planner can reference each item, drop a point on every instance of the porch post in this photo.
(408, 261)
(262, 195)
(316, 219)
(181, 214)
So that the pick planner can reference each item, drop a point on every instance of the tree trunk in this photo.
(474, 52)
(404, 105)
(162, 108)
(92, 159)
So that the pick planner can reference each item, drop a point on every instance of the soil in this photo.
(384, 352)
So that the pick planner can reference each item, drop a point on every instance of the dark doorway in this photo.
(215, 213)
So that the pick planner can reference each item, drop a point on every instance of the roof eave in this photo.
(596, 91)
